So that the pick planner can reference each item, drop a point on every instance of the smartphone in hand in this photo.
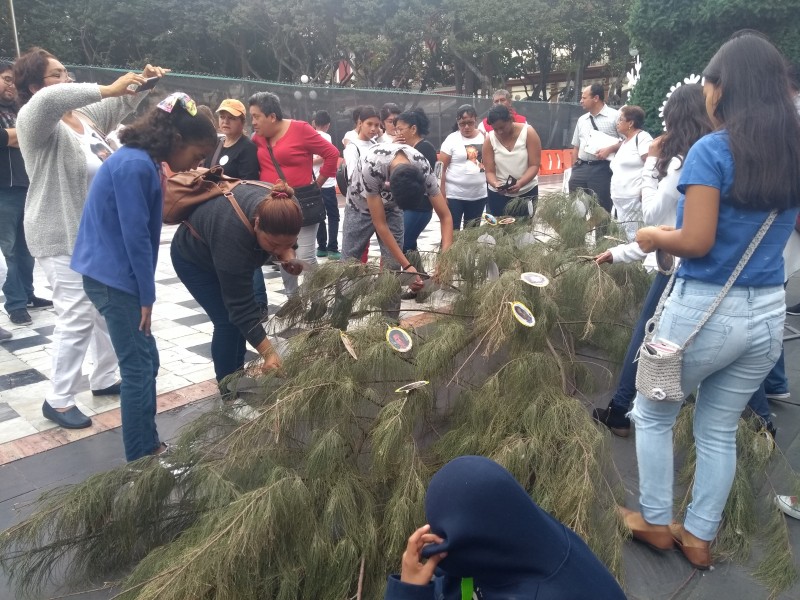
(149, 84)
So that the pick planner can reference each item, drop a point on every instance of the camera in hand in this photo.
(510, 182)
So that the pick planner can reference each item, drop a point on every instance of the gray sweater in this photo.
(56, 163)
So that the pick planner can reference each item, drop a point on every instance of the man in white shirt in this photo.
(592, 172)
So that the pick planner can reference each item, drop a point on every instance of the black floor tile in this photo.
(46, 330)
(192, 320)
(204, 350)
(168, 281)
(28, 342)
(189, 303)
(6, 412)
(20, 378)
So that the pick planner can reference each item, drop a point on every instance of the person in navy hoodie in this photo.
(489, 540)
(117, 249)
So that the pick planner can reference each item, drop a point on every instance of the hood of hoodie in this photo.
(497, 535)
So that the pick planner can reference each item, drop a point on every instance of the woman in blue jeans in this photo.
(721, 210)
(411, 127)
(686, 122)
(117, 249)
(214, 253)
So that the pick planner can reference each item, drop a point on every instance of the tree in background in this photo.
(404, 44)
(676, 39)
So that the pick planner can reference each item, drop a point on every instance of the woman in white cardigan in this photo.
(61, 129)
(686, 122)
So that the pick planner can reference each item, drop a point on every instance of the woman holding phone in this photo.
(62, 128)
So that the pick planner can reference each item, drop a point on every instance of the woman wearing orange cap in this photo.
(238, 156)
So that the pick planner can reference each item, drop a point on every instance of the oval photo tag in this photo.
(224, 160)
(348, 344)
(412, 386)
(522, 314)
(398, 339)
(490, 219)
(535, 279)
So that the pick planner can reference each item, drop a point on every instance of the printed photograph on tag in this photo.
(398, 339)
(412, 386)
(522, 314)
(535, 279)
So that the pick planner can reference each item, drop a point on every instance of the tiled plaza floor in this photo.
(183, 335)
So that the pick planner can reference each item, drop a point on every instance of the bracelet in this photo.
(407, 267)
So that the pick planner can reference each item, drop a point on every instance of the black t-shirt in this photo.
(239, 161)
(427, 150)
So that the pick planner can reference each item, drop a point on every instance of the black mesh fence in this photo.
(555, 123)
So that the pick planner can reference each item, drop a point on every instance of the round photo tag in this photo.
(412, 386)
(490, 219)
(535, 279)
(224, 160)
(398, 339)
(522, 314)
(506, 221)
(348, 344)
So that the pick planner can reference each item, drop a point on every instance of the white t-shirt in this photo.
(350, 136)
(626, 166)
(466, 179)
(94, 147)
(353, 152)
(331, 181)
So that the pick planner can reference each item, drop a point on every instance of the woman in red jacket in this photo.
(293, 144)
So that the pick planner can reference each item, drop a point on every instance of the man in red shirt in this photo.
(501, 97)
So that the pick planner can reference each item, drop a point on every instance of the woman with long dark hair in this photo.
(62, 128)
(686, 122)
(411, 127)
(117, 250)
(388, 114)
(733, 184)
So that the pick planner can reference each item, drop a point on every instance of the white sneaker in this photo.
(789, 505)
(780, 396)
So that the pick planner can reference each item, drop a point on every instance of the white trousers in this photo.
(79, 327)
(307, 252)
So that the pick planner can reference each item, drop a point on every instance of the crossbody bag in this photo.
(309, 197)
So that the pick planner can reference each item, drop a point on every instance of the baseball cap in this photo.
(232, 106)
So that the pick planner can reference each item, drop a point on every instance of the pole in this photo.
(14, 26)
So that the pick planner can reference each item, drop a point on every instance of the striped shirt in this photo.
(606, 121)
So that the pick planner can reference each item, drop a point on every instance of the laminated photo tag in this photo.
(490, 219)
(398, 339)
(412, 386)
(522, 314)
(535, 279)
(348, 344)
(506, 221)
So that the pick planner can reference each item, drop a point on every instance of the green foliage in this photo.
(329, 472)
(676, 39)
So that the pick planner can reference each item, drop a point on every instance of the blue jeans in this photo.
(728, 360)
(414, 223)
(329, 239)
(138, 365)
(18, 288)
(496, 203)
(626, 388)
(469, 210)
(227, 342)
(259, 286)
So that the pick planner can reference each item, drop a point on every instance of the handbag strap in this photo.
(238, 209)
(275, 162)
(278, 167)
(751, 248)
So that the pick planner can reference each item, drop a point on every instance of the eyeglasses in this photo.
(466, 123)
(8, 80)
(61, 74)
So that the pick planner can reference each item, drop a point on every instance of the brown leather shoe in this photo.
(657, 537)
(698, 556)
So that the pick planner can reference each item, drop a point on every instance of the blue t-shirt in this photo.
(710, 163)
(120, 229)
